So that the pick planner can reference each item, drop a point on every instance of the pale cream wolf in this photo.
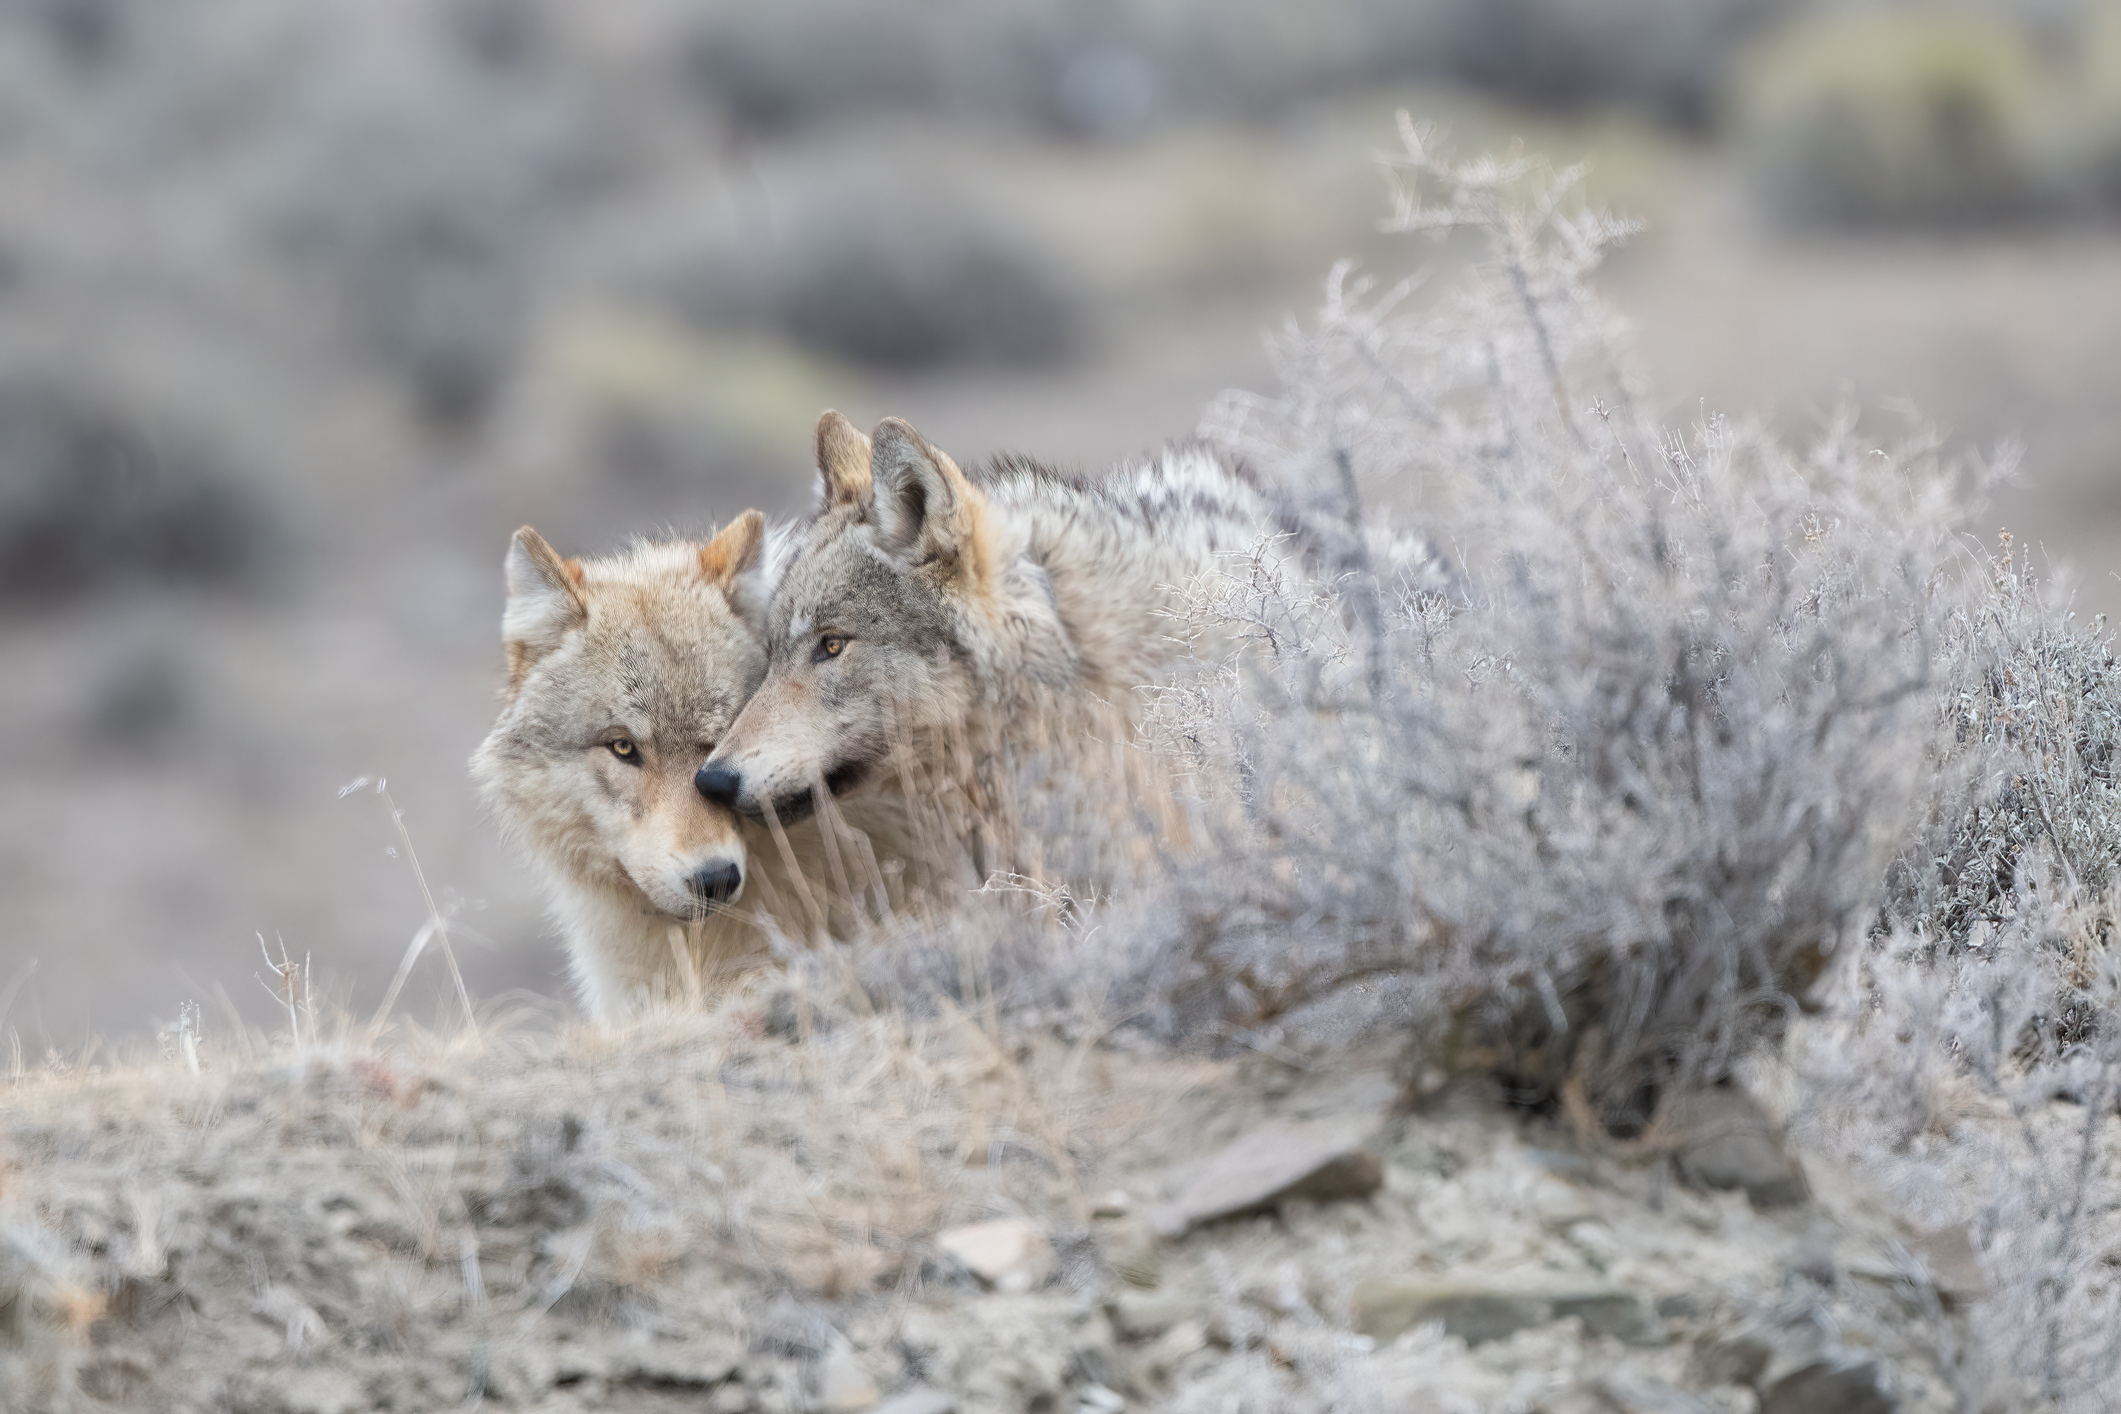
(623, 673)
(923, 611)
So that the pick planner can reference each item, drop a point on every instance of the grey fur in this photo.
(965, 606)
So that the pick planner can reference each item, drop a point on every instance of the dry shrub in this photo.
(1978, 1088)
(94, 495)
(1109, 71)
(1896, 116)
(1665, 55)
(420, 199)
(1597, 786)
(1973, 1067)
(2098, 129)
(903, 284)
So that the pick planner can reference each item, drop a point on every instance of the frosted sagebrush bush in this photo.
(1974, 1066)
(1593, 804)
(2028, 730)
(1955, 1080)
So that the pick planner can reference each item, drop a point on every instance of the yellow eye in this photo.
(830, 646)
(623, 748)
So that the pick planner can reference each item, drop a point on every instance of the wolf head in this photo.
(883, 624)
(623, 673)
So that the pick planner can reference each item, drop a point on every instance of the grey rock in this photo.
(1730, 1142)
(1839, 1383)
(673, 1366)
(1561, 1163)
(1144, 1315)
(1736, 1357)
(1954, 1267)
(1614, 1313)
(1682, 1306)
(316, 1391)
(843, 1383)
(918, 1400)
(1562, 1205)
(1134, 1252)
(1629, 1396)
(1386, 1308)
(1816, 1264)
(1006, 1252)
(1281, 1161)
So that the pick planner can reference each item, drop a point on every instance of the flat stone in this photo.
(317, 1392)
(1954, 1266)
(1561, 1163)
(1175, 1345)
(1387, 1307)
(1615, 1313)
(1134, 1252)
(1561, 1205)
(1816, 1264)
(1144, 1315)
(1580, 1400)
(1729, 1142)
(1626, 1396)
(1282, 1161)
(918, 1400)
(674, 1366)
(1839, 1383)
(1736, 1357)
(1005, 1252)
(844, 1385)
(1682, 1306)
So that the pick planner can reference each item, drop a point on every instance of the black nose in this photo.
(719, 784)
(717, 883)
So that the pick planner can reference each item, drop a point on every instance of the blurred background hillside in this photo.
(303, 308)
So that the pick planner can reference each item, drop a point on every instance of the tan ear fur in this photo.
(544, 602)
(842, 460)
(735, 549)
(926, 502)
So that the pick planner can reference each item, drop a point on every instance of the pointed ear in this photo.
(842, 462)
(544, 602)
(735, 550)
(925, 506)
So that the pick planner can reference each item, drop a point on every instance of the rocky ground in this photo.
(784, 1206)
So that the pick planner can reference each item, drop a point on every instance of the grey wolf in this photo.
(623, 673)
(925, 614)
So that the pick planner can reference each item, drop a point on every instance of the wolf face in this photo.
(882, 628)
(623, 674)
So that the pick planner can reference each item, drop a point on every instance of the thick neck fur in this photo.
(1081, 572)
(934, 626)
